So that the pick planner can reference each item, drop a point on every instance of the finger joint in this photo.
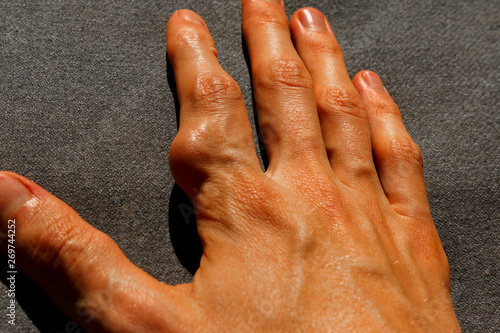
(404, 149)
(215, 89)
(335, 100)
(284, 72)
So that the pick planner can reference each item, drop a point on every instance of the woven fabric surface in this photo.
(87, 111)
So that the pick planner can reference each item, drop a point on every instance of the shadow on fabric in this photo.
(183, 233)
(261, 147)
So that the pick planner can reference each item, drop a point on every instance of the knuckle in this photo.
(61, 242)
(363, 168)
(426, 246)
(204, 148)
(215, 88)
(191, 144)
(335, 100)
(325, 47)
(287, 72)
(383, 106)
(188, 37)
(404, 149)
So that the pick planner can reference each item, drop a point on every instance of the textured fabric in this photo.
(87, 112)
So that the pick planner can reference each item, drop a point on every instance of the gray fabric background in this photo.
(86, 112)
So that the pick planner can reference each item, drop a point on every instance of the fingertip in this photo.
(187, 30)
(182, 18)
(309, 19)
(36, 190)
(368, 80)
(359, 75)
(294, 22)
(14, 193)
(189, 16)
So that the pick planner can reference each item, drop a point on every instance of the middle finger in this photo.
(283, 89)
(344, 121)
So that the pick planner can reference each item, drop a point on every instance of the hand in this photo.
(335, 236)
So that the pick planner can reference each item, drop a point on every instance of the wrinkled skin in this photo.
(335, 236)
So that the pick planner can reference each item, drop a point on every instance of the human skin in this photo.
(335, 236)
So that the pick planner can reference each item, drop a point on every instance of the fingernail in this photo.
(373, 81)
(12, 195)
(191, 16)
(312, 19)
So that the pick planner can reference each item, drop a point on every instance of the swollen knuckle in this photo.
(200, 147)
(404, 149)
(285, 72)
(334, 100)
(190, 144)
(210, 88)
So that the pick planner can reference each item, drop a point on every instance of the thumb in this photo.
(81, 269)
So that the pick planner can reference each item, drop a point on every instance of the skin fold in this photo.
(335, 236)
